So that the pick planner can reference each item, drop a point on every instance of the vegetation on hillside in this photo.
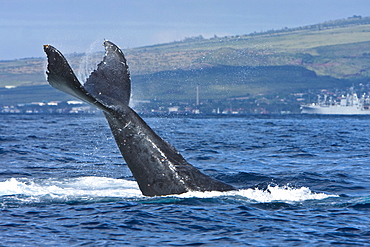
(223, 82)
(269, 65)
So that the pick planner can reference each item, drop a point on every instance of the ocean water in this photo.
(302, 181)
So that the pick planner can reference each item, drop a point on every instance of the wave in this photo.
(271, 194)
(16, 192)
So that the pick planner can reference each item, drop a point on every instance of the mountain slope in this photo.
(222, 82)
(333, 54)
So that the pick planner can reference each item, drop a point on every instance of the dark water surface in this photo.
(304, 181)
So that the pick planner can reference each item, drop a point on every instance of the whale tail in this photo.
(158, 167)
(109, 84)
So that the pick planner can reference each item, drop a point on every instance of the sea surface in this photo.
(302, 181)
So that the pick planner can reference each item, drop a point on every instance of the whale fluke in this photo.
(157, 166)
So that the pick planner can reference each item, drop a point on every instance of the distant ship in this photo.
(346, 105)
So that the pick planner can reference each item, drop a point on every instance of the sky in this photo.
(82, 25)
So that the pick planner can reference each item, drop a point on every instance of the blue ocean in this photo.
(302, 181)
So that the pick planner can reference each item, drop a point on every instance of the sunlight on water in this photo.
(102, 187)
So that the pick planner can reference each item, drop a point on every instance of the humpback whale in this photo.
(157, 166)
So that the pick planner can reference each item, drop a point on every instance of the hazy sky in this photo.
(80, 25)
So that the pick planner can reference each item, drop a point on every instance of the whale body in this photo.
(157, 166)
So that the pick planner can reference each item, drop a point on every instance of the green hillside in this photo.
(222, 82)
(334, 54)
(338, 48)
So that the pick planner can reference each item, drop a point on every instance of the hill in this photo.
(333, 54)
(337, 48)
(224, 82)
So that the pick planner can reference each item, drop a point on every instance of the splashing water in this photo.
(88, 62)
(83, 189)
(273, 193)
(97, 188)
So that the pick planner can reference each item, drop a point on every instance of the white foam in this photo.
(87, 188)
(273, 193)
(71, 188)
